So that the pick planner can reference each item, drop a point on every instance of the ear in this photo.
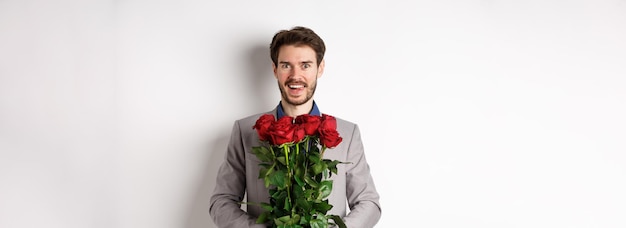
(320, 69)
(274, 69)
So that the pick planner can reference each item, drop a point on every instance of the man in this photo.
(298, 61)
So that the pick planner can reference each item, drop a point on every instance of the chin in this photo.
(297, 101)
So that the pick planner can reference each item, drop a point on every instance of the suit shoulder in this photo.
(344, 121)
(344, 125)
(251, 119)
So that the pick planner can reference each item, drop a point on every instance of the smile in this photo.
(295, 86)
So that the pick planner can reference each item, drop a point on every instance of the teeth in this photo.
(296, 86)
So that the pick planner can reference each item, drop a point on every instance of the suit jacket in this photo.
(354, 196)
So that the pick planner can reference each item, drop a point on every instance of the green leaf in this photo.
(318, 223)
(338, 221)
(332, 165)
(332, 170)
(282, 160)
(315, 157)
(305, 219)
(278, 179)
(287, 204)
(299, 181)
(290, 226)
(263, 153)
(311, 182)
(263, 217)
(279, 195)
(299, 170)
(295, 220)
(318, 168)
(325, 188)
(288, 221)
(282, 220)
(264, 172)
(302, 203)
(298, 192)
(266, 181)
(308, 193)
(323, 207)
(266, 206)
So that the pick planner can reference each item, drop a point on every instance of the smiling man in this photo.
(298, 62)
(297, 74)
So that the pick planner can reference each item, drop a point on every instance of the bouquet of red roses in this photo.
(295, 171)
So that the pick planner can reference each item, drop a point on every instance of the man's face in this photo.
(297, 73)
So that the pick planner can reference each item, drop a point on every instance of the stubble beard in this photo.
(310, 90)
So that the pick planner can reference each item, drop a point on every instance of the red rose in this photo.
(328, 122)
(310, 123)
(298, 133)
(262, 126)
(282, 131)
(329, 136)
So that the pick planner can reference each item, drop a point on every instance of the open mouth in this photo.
(296, 86)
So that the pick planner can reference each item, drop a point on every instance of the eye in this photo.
(284, 66)
(306, 65)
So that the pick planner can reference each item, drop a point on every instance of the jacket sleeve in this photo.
(363, 199)
(230, 187)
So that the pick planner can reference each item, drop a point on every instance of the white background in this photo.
(474, 113)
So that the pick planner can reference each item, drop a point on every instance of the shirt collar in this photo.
(280, 112)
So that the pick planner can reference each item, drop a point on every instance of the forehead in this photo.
(297, 53)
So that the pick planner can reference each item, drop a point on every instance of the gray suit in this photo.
(353, 187)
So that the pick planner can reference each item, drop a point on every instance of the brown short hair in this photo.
(297, 36)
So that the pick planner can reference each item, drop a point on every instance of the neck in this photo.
(296, 110)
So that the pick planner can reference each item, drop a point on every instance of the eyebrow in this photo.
(285, 62)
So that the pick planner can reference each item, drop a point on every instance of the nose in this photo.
(295, 72)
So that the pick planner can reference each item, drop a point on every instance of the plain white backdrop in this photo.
(483, 113)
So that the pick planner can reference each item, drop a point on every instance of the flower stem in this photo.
(297, 151)
(289, 178)
(296, 158)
